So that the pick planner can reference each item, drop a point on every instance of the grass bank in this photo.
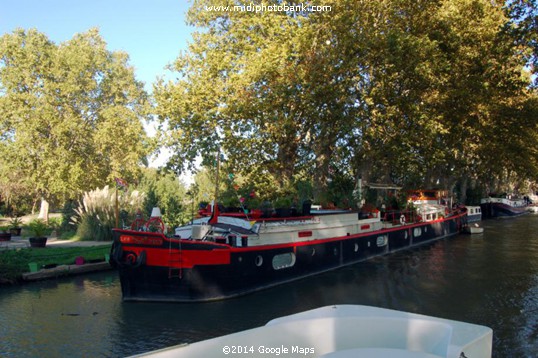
(13, 263)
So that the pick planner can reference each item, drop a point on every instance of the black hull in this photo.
(499, 210)
(252, 269)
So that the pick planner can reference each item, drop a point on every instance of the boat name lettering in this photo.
(144, 240)
(305, 233)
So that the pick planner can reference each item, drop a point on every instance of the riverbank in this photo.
(18, 259)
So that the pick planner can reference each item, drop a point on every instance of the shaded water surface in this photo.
(489, 279)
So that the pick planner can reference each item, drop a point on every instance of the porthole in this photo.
(405, 235)
(368, 243)
(240, 259)
(258, 261)
(283, 260)
(417, 232)
(382, 241)
(356, 248)
(313, 251)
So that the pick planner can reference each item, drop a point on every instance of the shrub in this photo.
(95, 215)
(38, 228)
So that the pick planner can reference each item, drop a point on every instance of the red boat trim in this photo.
(364, 227)
(304, 233)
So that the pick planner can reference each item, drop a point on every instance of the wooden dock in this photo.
(66, 270)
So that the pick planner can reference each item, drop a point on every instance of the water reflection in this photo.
(489, 279)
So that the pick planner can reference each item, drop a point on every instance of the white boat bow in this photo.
(346, 331)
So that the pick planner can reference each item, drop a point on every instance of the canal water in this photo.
(489, 279)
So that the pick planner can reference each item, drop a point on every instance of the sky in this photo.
(152, 32)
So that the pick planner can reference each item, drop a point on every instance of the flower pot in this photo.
(38, 241)
(282, 212)
(5, 236)
(15, 231)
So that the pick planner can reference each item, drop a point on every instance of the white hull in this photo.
(347, 331)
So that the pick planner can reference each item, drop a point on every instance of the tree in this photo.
(405, 91)
(70, 114)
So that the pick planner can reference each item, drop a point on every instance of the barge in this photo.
(230, 254)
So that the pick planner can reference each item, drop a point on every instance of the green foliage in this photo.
(412, 93)
(95, 215)
(163, 190)
(68, 211)
(13, 263)
(70, 115)
(15, 223)
(38, 228)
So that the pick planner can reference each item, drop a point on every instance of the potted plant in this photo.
(5, 235)
(38, 229)
(283, 206)
(15, 226)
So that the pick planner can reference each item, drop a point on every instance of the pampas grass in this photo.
(95, 214)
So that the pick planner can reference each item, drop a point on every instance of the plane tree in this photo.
(70, 114)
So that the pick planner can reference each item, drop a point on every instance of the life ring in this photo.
(402, 219)
(155, 223)
(133, 260)
(138, 224)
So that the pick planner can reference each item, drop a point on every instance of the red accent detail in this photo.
(215, 216)
(305, 233)
(157, 222)
(141, 240)
(364, 227)
(131, 258)
(138, 223)
(187, 258)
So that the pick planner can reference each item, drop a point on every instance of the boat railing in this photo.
(400, 217)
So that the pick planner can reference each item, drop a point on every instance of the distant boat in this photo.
(474, 213)
(473, 229)
(347, 331)
(503, 207)
(231, 254)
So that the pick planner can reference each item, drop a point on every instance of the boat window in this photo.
(417, 232)
(428, 217)
(382, 240)
(283, 260)
(259, 260)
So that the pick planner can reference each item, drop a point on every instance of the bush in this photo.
(95, 215)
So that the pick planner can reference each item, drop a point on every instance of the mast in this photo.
(214, 216)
